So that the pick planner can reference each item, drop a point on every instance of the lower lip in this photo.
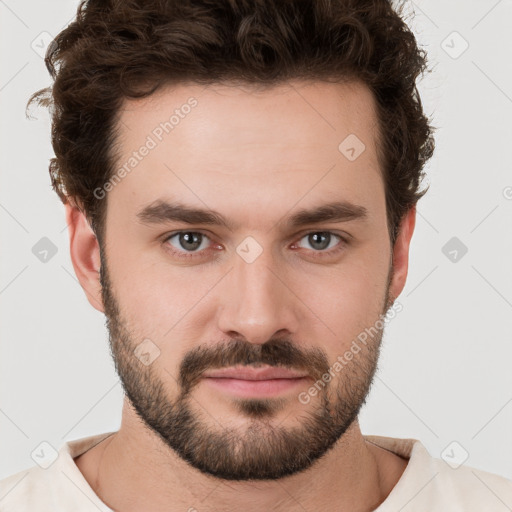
(255, 388)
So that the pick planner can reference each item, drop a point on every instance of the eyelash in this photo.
(190, 255)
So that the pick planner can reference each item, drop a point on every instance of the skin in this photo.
(255, 157)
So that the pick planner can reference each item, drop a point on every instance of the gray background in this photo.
(445, 373)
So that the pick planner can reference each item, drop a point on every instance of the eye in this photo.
(190, 244)
(186, 243)
(322, 241)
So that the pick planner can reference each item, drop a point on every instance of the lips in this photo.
(248, 373)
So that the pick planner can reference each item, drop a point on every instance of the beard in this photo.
(260, 450)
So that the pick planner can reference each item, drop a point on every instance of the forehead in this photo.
(229, 115)
(223, 143)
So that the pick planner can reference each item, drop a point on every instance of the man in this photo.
(240, 181)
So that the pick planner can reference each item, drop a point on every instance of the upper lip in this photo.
(248, 373)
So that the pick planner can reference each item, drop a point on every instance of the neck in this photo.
(134, 470)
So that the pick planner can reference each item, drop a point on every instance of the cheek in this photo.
(162, 302)
(156, 304)
(146, 297)
(348, 298)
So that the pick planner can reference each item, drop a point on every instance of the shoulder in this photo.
(27, 490)
(56, 485)
(469, 488)
(429, 483)
(48, 490)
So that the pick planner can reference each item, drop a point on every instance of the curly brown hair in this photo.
(117, 49)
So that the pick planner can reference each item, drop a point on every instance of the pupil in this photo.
(190, 238)
(315, 237)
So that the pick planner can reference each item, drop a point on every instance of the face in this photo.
(276, 283)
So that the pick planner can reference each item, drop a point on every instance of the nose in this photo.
(257, 302)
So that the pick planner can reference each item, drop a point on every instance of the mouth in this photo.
(254, 382)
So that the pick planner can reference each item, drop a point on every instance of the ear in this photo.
(85, 255)
(401, 253)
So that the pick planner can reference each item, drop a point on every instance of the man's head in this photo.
(296, 129)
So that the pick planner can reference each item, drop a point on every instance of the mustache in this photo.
(238, 352)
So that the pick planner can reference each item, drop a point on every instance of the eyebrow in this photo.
(161, 211)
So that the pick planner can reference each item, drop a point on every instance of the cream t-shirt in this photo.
(427, 485)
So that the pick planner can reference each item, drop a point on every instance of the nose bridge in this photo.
(256, 303)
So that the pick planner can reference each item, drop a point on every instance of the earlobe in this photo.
(401, 253)
(85, 255)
